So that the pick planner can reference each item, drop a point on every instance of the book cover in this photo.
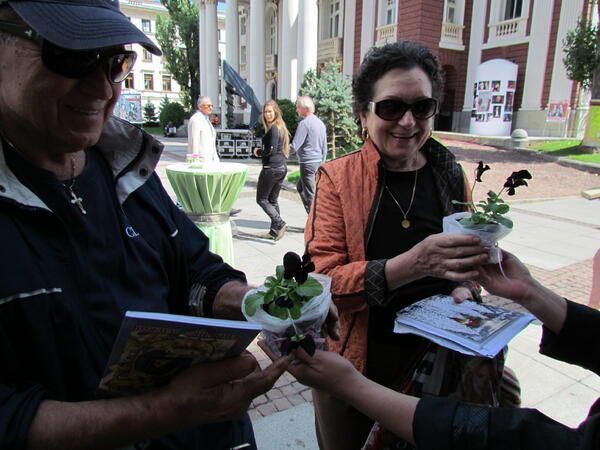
(468, 327)
(152, 347)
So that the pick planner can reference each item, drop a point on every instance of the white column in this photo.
(287, 70)
(212, 55)
(202, 56)
(256, 54)
(560, 85)
(537, 55)
(232, 34)
(367, 32)
(475, 43)
(349, 26)
(308, 37)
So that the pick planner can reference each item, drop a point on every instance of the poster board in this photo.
(493, 98)
(129, 107)
(557, 111)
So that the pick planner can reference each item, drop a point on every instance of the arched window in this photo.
(271, 44)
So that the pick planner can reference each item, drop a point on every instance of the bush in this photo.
(172, 112)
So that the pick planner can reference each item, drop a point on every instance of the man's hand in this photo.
(228, 301)
(219, 391)
(461, 293)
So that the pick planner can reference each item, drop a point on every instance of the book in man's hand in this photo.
(471, 328)
(151, 348)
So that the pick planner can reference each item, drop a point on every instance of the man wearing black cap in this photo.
(87, 232)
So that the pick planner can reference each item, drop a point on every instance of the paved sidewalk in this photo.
(556, 234)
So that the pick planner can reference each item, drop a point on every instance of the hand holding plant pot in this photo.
(487, 217)
(291, 306)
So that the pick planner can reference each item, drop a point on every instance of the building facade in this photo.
(149, 77)
(273, 42)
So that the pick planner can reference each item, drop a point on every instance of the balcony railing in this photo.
(452, 36)
(329, 49)
(386, 34)
(271, 63)
(508, 29)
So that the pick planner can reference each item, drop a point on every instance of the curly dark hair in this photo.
(397, 55)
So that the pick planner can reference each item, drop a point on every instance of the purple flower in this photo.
(284, 302)
(297, 268)
(479, 171)
(515, 180)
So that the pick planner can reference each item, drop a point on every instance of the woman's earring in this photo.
(365, 134)
(430, 132)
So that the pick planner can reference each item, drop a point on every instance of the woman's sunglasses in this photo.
(394, 109)
(116, 62)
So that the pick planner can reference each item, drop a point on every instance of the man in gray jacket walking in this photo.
(310, 144)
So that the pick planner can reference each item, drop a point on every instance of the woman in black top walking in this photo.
(274, 152)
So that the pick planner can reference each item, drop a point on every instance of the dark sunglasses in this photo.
(394, 109)
(116, 62)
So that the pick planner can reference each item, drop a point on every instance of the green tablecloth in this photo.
(207, 192)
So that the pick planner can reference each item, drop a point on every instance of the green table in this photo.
(207, 192)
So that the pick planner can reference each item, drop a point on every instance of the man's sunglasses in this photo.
(115, 62)
(394, 109)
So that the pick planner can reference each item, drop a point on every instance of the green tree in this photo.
(172, 112)
(150, 114)
(582, 62)
(332, 93)
(177, 35)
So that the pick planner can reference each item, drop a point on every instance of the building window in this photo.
(450, 11)
(129, 82)
(146, 55)
(242, 25)
(512, 9)
(334, 19)
(146, 26)
(243, 54)
(149, 81)
(272, 37)
(166, 79)
(389, 12)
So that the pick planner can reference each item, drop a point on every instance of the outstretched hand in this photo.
(515, 283)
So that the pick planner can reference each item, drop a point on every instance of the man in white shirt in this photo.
(201, 133)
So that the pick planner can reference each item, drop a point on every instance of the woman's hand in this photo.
(461, 293)
(326, 371)
(516, 283)
(451, 256)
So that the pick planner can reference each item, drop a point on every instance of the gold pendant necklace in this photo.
(405, 222)
(74, 199)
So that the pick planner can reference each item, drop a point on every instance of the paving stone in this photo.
(274, 394)
(282, 404)
(266, 409)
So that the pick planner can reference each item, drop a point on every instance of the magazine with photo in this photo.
(469, 327)
(151, 348)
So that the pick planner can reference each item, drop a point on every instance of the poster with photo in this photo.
(507, 117)
(557, 111)
(511, 84)
(498, 99)
(496, 86)
(484, 99)
(497, 111)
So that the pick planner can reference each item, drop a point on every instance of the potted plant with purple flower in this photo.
(291, 305)
(487, 218)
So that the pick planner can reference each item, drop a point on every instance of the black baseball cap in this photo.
(81, 24)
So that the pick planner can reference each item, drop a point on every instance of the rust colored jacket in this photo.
(339, 226)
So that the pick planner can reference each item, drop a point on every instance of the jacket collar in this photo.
(131, 153)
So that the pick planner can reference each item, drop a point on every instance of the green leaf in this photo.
(279, 271)
(504, 221)
(502, 208)
(277, 311)
(253, 302)
(295, 311)
(310, 288)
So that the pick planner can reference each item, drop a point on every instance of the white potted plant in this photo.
(291, 306)
(487, 218)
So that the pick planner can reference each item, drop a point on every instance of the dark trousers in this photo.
(306, 183)
(267, 193)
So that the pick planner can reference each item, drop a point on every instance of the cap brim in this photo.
(78, 27)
